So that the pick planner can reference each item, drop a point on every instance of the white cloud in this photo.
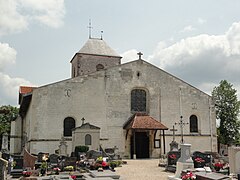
(10, 19)
(15, 15)
(7, 55)
(129, 56)
(9, 86)
(48, 12)
(201, 21)
(187, 29)
(203, 60)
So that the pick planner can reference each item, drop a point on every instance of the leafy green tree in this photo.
(7, 114)
(227, 111)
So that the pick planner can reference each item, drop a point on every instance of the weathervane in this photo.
(101, 35)
(90, 28)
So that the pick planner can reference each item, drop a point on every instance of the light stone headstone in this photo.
(3, 169)
(5, 142)
(234, 159)
(63, 147)
(184, 162)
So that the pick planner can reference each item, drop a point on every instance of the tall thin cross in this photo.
(173, 130)
(140, 54)
(181, 124)
(90, 29)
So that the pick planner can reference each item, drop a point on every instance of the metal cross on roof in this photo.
(83, 119)
(140, 54)
(181, 124)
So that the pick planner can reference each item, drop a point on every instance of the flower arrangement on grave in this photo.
(69, 168)
(218, 166)
(188, 176)
(56, 170)
(172, 156)
(73, 176)
(199, 160)
(26, 173)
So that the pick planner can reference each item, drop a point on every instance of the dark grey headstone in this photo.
(201, 159)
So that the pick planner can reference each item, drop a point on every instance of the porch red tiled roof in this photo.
(25, 89)
(141, 121)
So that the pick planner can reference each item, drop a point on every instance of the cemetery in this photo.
(85, 163)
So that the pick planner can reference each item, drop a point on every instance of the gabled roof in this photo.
(87, 126)
(96, 46)
(143, 121)
(24, 90)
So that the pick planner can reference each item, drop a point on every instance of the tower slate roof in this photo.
(97, 46)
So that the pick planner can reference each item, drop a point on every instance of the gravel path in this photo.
(144, 169)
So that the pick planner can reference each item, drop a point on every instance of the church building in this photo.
(131, 107)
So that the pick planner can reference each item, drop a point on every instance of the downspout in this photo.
(210, 121)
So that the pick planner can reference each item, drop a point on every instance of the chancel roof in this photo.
(143, 121)
(97, 46)
(87, 126)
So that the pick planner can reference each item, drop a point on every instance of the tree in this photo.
(7, 114)
(227, 111)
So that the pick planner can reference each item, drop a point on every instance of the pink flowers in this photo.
(199, 160)
(56, 169)
(188, 176)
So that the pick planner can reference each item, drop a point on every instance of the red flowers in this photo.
(172, 156)
(218, 165)
(26, 173)
(73, 177)
(188, 176)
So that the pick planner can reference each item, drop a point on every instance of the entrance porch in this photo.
(144, 137)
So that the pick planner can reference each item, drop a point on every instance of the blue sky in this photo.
(198, 41)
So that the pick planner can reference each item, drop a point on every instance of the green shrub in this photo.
(78, 149)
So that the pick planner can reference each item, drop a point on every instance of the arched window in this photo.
(99, 67)
(193, 123)
(88, 139)
(138, 100)
(68, 125)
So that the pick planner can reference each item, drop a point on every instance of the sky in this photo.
(197, 41)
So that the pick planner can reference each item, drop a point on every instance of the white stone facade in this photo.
(103, 98)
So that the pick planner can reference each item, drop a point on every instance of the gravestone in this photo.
(63, 147)
(5, 143)
(173, 144)
(184, 162)
(234, 159)
(17, 170)
(53, 159)
(172, 158)
(3, 169)
(223, 150)
(93, 154)
(70, 161)
(201, 160)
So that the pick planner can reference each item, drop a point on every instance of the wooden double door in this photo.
(141, 145)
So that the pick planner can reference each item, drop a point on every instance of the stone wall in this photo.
(85, 64)
(104, 99)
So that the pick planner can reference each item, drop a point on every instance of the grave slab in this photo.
(105, 173)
